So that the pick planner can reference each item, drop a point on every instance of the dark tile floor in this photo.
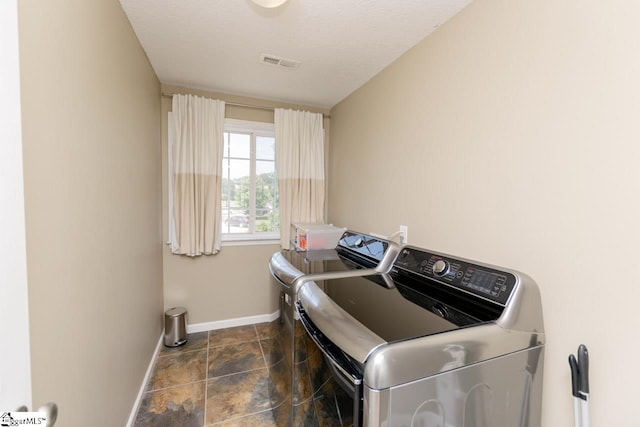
(219, 378)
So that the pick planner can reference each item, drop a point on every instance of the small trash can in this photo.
(175, 327)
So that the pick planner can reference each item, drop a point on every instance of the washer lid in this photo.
(359, 314)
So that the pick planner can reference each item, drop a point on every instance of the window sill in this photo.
(249, 241)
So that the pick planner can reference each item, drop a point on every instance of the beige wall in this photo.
(235, 283)
(92, 158)
(511, 136)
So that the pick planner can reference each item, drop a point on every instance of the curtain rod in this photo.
(238, 104)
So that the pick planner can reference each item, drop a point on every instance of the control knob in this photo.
(440, 267)
(440, 310)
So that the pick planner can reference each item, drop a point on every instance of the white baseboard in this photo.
(147, 376)
(229, 323)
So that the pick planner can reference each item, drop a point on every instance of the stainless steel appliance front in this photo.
(308, 394)
(446, 342)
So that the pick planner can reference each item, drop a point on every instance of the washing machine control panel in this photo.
(462, 275)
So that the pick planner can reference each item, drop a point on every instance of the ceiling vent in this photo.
(276, 61)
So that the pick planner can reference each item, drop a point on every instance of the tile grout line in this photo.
(255, 329)
(235, 343)
(264, 359)
(178, 353)
(175, 355)
(175, 386)
(237, 373)
(207, 378)
(238, 417)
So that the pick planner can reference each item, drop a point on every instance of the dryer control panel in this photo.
(480, 280)
(363, 245)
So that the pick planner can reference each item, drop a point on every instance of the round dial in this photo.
(440, 310)
(440, 267)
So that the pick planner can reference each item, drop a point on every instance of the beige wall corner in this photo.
(233, 284)
(510, 136)
(92, 168)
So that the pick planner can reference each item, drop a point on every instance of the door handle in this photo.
(50, 409)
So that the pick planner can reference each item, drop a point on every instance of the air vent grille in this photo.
(277, 61)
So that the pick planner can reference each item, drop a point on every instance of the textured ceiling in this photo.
(217, 44)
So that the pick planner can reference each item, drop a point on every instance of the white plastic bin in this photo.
(309, 237)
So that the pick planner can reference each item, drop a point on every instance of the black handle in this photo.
(573, 364)
(583, 368)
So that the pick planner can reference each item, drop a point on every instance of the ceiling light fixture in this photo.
(269, 3)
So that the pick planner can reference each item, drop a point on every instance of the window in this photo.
(249, 184)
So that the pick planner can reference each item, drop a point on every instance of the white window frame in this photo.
(255, 129)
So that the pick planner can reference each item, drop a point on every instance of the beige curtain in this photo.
(300, 169)
(196, 155)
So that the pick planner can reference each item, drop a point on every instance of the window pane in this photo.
(235, 223)
(265, 186)
(265, 167)
(240, 145)
(267, 215)
(239, 168)
(265, 147)
(235, 196)
(249, 185)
